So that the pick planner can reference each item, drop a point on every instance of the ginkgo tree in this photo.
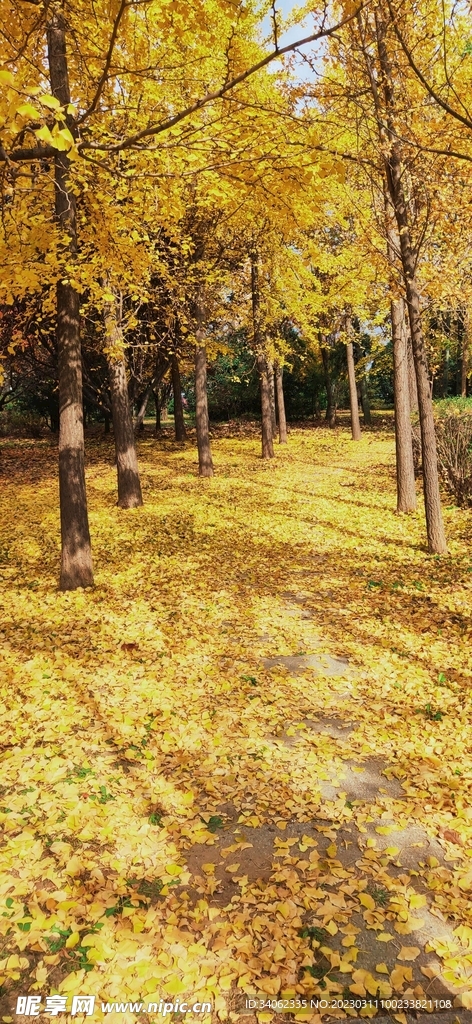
(363, 95)
(64, 111)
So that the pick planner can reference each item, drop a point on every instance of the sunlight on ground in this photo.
(141, 728)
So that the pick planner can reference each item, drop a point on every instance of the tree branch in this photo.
(209, 97)
(28, 154)
(104, 74)
(419, 74)
(47, 152)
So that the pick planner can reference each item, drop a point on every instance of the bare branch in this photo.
(274, 23)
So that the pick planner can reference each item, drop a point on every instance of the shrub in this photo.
(453, 422)
(23, 424)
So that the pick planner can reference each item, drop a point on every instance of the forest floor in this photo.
(241, 766)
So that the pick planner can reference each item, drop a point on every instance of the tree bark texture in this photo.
(365, 401)
(129, 484)
(412, 388)
(279, 390)
(157, 404)
(267, 436)
(402, 356)
(143, 404)
(464, 354)
(393, 167)
(205, 461)
(179, 422)
(406, 490)
(330, 415)
(76, 553)
(202, 422)
(351, 373)
(273, 413)
(261, 363)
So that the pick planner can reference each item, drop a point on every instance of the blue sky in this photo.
(285, 7)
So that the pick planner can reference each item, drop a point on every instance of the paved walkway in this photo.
(371, 930)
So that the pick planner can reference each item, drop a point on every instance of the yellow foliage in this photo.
(135, 737)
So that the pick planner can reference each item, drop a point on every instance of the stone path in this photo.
(380, 866)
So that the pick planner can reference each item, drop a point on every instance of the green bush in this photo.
(17, 422)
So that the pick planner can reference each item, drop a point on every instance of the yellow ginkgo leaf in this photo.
(413, 924)
(409, 953)
(399, 977)
(174, 987)
(173, 869)
(367, 900)
(418, 901)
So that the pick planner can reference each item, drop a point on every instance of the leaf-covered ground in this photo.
(148, 749)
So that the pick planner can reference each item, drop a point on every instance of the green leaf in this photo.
(28, 111)
(44, 135)
(50, 101)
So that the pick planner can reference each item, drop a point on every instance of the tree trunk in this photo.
(365, 401)
(261, 363)
(266, 412)
(432, 500)
(157, 403)
(330, 415)
(412, 388)
(179, 422)
(76, 555)
(53, 405)
(393, 166)
(143, 404)
(406, 490)
(351, 372)
(129, 485)
(107, 423)
(279, 389)
(464, 354)
(401, 345)
(202, 423)
(445, 372)
(270, 380)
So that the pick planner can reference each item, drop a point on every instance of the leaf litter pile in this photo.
(186, 815)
